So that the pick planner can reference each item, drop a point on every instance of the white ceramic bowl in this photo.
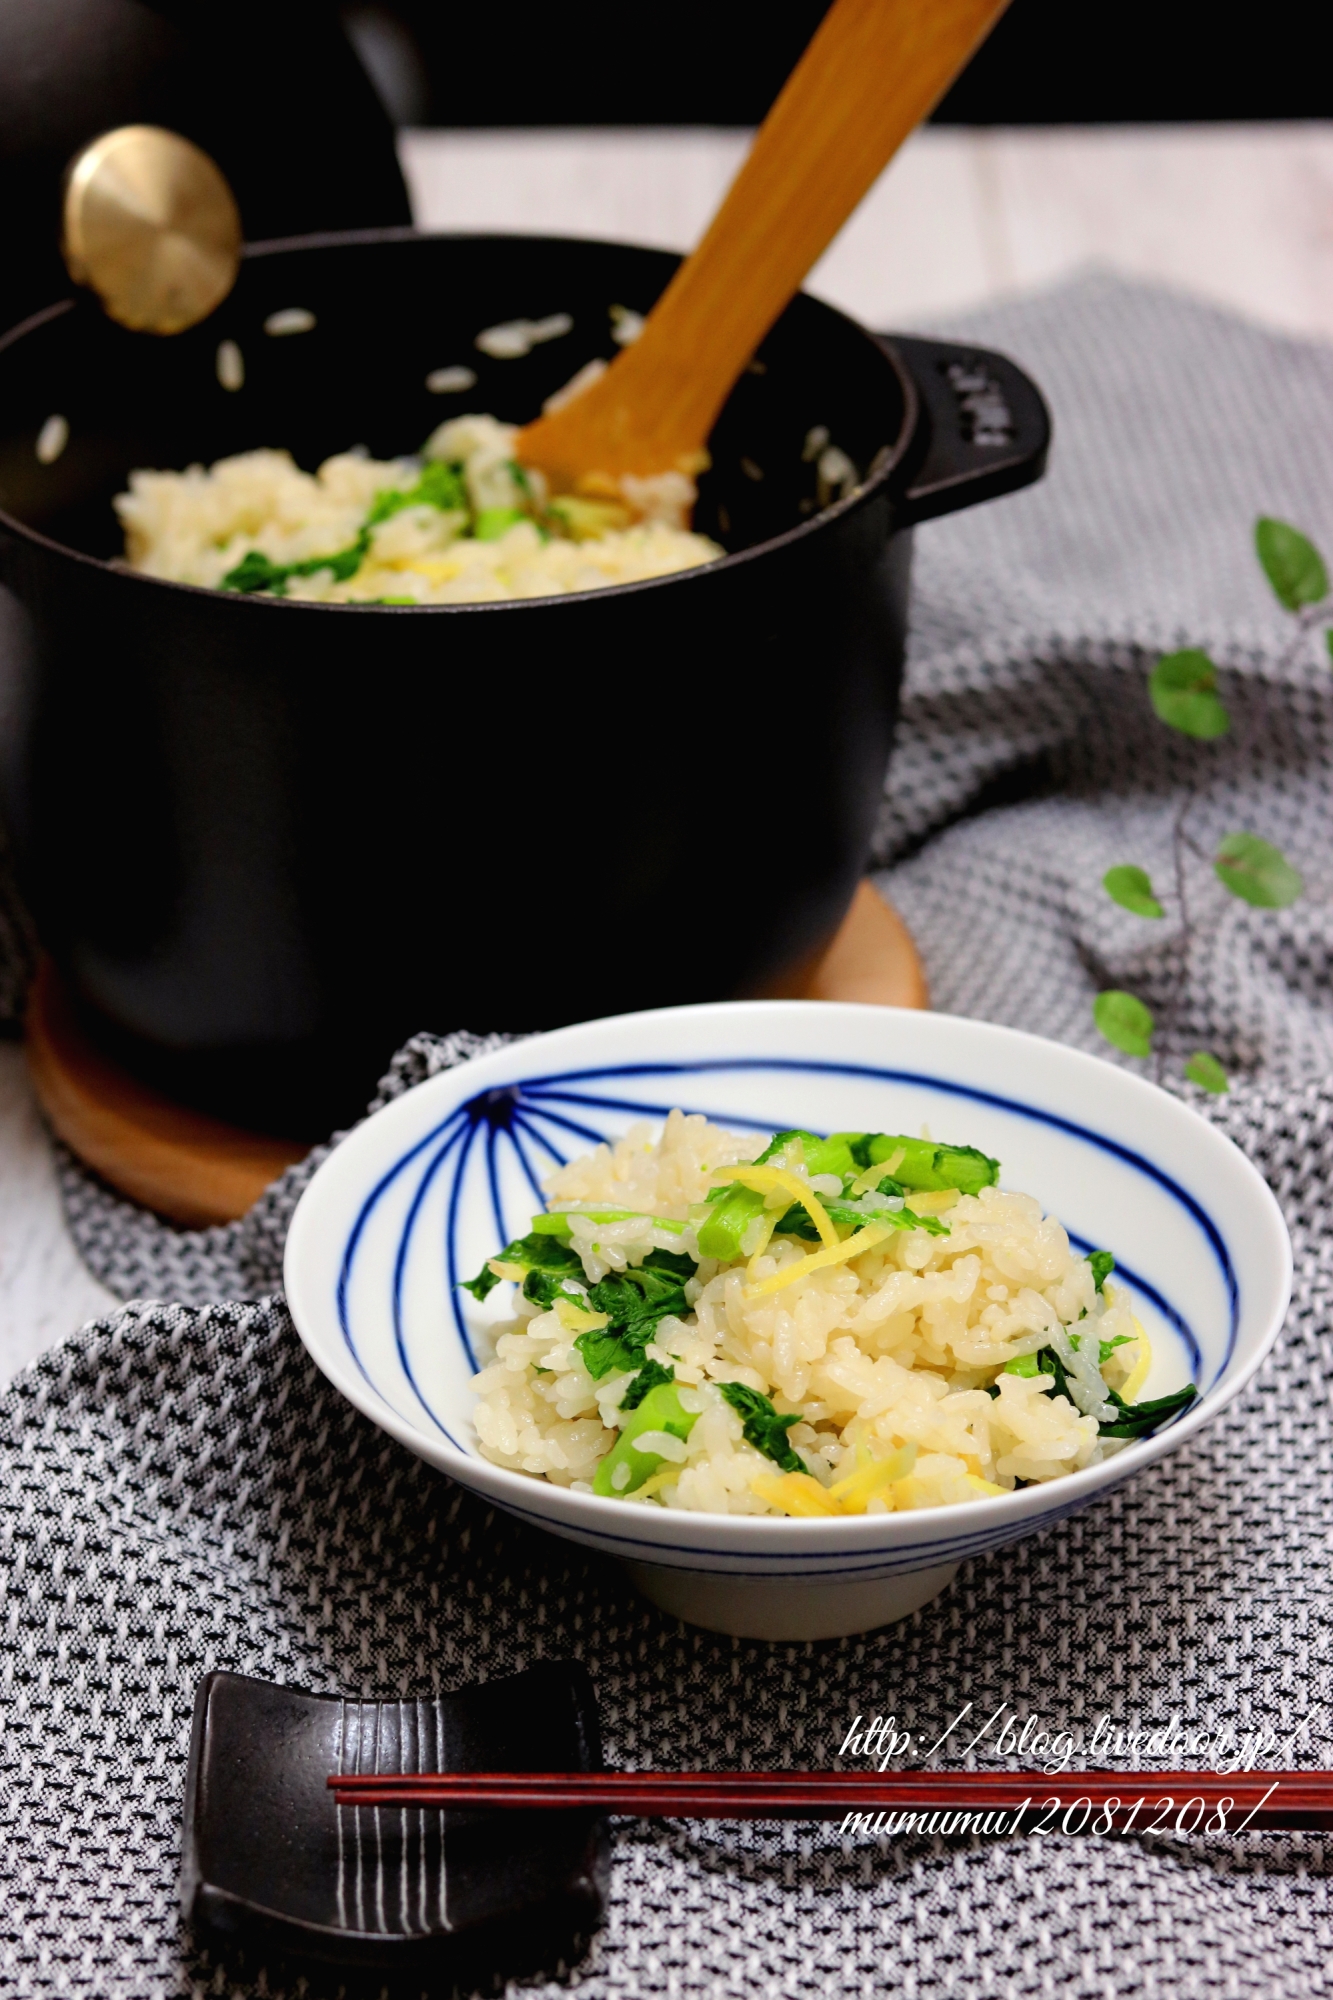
(425, 1191)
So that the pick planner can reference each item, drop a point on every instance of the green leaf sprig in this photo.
(1131, 888)
(1183, 690)
(1292, 564)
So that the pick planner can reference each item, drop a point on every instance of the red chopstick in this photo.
(1075, 1802)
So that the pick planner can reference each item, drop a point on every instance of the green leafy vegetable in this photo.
(1208, 1073)
(660, 1410)
(1130, 887)
(1047, 1362)
(1291, 562)
(527, 1254)
(557, 1222)
(440, 485)
(661, 1275)
(1103, 1263)
(926, 1168)
(255, 572)
(651, 1376)
(543, 1288)
(761, 1425)
(492, 522)
(345, 563)
(1257, 871)
(1131, 1420)
(636, 1301)
(818, 1156)
(733, 1209)
(1183, 691)
(1135, 1420)
(796, 1221)
(606, 1353)
(483, 1284)
(1125, 1022)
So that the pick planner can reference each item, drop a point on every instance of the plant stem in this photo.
(1308, 619)
(1179, 841)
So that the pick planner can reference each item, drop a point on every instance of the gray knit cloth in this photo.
(182, 1490)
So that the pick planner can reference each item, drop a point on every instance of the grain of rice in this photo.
(626, 325)
(230, 365)
(836, 476)
(292, 319)
(514, 338)
(52, 439)
(450, 381)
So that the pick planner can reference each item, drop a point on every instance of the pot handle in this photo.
(987, 427)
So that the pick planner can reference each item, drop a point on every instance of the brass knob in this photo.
(152, 227)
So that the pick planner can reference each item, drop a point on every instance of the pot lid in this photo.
(273, 93)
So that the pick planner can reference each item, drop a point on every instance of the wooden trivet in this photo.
(193, 1169)
(872, 959)
(196, 1170)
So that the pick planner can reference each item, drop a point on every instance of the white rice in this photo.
(892, 1350)
(196, 526)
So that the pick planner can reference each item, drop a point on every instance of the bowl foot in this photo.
(750, 1609)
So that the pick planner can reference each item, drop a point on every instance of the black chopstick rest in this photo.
(272, 1866)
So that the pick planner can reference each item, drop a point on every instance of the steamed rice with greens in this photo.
(804, 1326)
(463, 523)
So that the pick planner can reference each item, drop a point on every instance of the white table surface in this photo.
(1242, 215)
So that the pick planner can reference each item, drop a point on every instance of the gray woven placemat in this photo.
(180, 1489)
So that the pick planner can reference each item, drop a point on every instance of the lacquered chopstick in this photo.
(1160, 1801)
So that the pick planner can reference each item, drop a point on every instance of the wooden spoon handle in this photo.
(873, 71)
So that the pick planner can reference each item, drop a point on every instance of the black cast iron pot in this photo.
(266, 841)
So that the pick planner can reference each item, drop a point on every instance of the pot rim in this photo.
(876, 479)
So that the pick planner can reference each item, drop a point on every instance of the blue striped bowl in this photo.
(425, 1191)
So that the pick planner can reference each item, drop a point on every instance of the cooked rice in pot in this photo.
(910, 1367)
(462, 524)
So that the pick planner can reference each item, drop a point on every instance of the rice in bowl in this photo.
(804, 1326)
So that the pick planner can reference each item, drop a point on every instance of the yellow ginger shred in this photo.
(579, 1319)
(871, 1476)
(818, 1260)
(937, 1201)
(772, 1180)
(800, 1493)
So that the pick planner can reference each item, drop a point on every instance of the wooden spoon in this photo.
(873, 71)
